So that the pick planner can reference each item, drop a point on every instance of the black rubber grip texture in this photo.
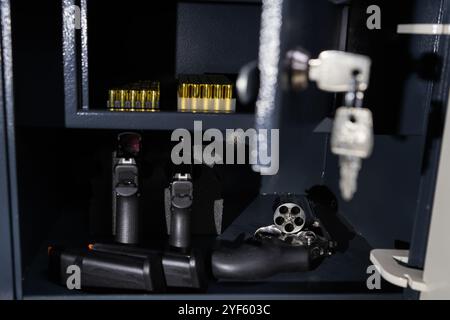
(127, 220)
(104, 270)
(180, 270)
(259, 260)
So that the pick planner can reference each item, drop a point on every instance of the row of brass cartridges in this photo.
(134, 98)
(205, 87)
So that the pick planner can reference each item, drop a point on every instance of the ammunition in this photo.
(123, 98)
(138, 96)
(205, 93)
(228, 105)
(194, 104)
(227, 91)
(152, 98)
(142, 98)
(112, 99)
(216, 105)
(133, 98)
(183, 90)
(183, 104)
(217, 91)
(195, 91)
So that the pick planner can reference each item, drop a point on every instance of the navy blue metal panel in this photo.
(437, 98)
(216, 37)
(382, 209)
(315, 26)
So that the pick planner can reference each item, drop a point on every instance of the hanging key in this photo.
(352, 141)
(352, 134)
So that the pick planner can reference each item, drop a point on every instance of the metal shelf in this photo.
(163, 120)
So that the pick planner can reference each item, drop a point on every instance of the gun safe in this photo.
(92, 92)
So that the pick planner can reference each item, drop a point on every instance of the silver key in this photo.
(334, 71)
(352, 133)
(349, 167)
(352, 141)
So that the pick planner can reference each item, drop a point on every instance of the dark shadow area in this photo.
(436, 121)
(37, 56)
(325, 205)
(129, 42)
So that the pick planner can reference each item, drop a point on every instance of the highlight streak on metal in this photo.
(69, 57)
(84, 56)
(269, 56)
(6, 59)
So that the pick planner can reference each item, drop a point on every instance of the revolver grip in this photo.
(259, 260)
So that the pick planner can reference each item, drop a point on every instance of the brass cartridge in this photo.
(195, 91)
(112, 98)
(206, 91)
(183, 91)
(123, 98)
(142, 98)
(138, 96)
(218, 91)
(152, 98)
(133, 98)
(227, 91)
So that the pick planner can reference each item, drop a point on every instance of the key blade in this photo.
(349, 171)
